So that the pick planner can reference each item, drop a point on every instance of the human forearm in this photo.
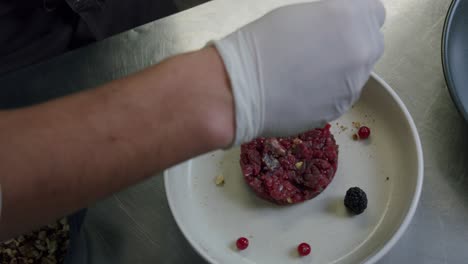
(60, 156)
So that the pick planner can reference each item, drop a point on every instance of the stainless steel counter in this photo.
(136, 226)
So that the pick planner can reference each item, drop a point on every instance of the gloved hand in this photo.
(301, 65)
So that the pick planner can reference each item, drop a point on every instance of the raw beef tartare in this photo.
(290, 170)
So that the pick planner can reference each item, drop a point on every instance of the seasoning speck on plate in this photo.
(219, 180)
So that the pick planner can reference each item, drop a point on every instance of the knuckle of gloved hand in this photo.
(380, 46)
(362, 10)
(366, 47)
(351, 9)
(379, 11)
(376, 48)
(360, 54)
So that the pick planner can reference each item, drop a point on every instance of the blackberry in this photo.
(356, 200)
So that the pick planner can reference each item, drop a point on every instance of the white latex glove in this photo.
(301, 65)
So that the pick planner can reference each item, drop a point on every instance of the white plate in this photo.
(213, 217)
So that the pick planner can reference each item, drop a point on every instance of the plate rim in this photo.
(452, 10)
(389, 243)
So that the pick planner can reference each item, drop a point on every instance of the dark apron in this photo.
(34, 30)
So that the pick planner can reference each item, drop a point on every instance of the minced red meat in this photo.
(291, 169)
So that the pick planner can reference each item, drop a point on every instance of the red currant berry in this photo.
(303, 249)
(364, 132)
(242, 243)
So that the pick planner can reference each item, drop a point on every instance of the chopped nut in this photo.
(9, 241)
(49, 260)
(289, 200)
(64, 221)
(30, 252)
(297, 141)
(23, 250)
(357, 124)
(299, 164)
(52, 246)
(35, 254)
(219, 180)
(9, 252)
(355, 137)
(41, 245)
(42, 235)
